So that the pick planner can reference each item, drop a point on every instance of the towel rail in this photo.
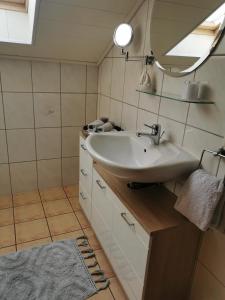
(219, 153)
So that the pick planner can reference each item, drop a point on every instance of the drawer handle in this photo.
(83, 172)
(82, 196)
(124, 216)
(83, 147)
(100, 185)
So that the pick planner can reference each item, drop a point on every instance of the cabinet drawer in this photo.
(86, 178)
(85, 159)
(85, 201)
(130, 237)
(127, 276)
(102, 231)
(102, 196)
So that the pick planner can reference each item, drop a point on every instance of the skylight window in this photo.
(16, 5)
(17, 21)
(202, 37)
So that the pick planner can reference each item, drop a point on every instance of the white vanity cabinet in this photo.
(151, 248)
(85, 179)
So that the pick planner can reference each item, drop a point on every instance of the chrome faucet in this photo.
(155, 135)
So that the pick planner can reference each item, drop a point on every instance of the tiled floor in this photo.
(37, 218)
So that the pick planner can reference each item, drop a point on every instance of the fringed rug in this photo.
(51, 272)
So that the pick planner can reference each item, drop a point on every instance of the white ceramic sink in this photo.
(133, 158)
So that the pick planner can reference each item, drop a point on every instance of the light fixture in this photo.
(123, 36)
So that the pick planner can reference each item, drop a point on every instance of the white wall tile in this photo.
(91, 107)
(49, 173)
(47, 109)
(129, 117)
(24, 177)
(48, 143)
(139, 23)
(2, 121)
(116, 112)
(70, 167)
(73, 109)
(211, 117)
(104, 106)
(18, 110)
(5, 185)
(174, 131)
(196, 140)
(149, 102)
(118, 71)
(145, 117)
(133, 71)
(70, 141)
(73, 78)
(3, 147)
(174, 109)
(21, 143)
(106, 73)
(46, 77)
(15, 75)
(92, 79)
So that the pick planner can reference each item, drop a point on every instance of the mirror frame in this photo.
(198, 63)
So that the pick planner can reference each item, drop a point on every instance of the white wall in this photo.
(192, 126)
(42, 109)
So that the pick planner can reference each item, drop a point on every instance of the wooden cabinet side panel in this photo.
(171, 263)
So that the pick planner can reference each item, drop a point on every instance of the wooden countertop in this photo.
(152, 206)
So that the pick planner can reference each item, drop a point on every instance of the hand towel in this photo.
(105, 127)
(218, 220)
(199, 198)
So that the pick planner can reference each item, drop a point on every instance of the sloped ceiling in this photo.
(77, 30)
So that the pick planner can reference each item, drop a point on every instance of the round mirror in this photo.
(123, 35)
(185, 32)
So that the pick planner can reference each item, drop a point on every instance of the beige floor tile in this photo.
(57, 207)
(26, 198)
(69, 235)
(82, 219)
(5, 202)
(28, 212)
(103, 295)
(55, 193)
(117, 290)
(104, 263)
(34, 243)
(74, 201)
(63, 224)
(93, 241)
(72, 190)
(7, 250)
(7, 236)
(6, 216)
(30, 231)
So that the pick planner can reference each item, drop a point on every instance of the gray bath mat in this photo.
(51, 272)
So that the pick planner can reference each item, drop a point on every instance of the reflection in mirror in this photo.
(185, 32)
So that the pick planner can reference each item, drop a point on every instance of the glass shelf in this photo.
(177, 98)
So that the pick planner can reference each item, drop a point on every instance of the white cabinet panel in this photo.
(85, 201)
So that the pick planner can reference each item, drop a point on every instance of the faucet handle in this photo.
(156, 128)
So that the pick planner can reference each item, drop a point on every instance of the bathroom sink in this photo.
(133, 158)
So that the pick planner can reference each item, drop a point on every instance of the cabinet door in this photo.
(85, 159)
(85, 201)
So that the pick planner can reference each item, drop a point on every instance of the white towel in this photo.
(199, 198)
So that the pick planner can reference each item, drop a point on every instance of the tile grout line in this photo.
(60, 89)
(35, 132)
(9, 166)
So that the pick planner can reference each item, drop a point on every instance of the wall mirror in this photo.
(184, 33)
